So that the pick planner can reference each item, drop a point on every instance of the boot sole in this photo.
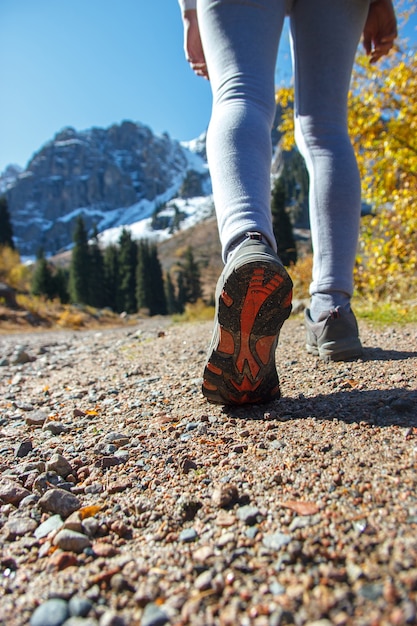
(254, 303)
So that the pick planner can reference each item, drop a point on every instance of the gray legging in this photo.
(240, 40)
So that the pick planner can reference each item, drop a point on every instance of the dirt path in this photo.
(128, 500)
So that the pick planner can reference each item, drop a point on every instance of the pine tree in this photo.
(143, 284)
(182, 295)
(111, 279)
(282, 225)
(42, 283)
(191, 277)
(150, 293)
(6, 232)
(79, 280)
(171, 301)
(158, 305)
(96, 274)
(60, 281)
(128, 258)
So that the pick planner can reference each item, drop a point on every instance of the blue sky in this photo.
(86, 63)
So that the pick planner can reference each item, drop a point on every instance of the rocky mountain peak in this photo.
(111, 176)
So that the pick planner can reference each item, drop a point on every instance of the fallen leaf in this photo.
(89, 511)
(300, 507)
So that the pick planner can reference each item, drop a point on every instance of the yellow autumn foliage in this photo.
(382, 125)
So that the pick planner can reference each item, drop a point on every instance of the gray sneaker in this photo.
(253, 299)
(335, 336)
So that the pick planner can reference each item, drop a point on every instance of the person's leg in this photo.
(240, 41)
(325, 36)
(253, 294)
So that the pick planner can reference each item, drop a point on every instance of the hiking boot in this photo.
(335, 336)
(253, 299)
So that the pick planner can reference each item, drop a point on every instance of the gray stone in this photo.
(56, 428)
(51, 613)
(52, 523)
(153, 615)
(60, 502)
(36, 418)
(71, 541)
(276, 541)
(12, 492)
(188, 535)
(59, 464)
(19, 526)
(248, 514)
(110, 618)
(23, 448)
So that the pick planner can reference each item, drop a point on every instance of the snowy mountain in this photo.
(120, 176)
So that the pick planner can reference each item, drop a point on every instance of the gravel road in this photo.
(126, 499)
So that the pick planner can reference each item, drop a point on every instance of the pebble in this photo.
(36, 418)
(225, 496)
(52, 523)
(109, 618)
(59, 464)
(70, 540)
(23, 448)
(19, 526)
(53, 612)
(188, 535)
(153, 615)
(21, 357)
(55, 428)
(248, 514)
(204, 580)
(12, 492)
(276, 541)
(119, 439)
(60, 502)
(79, 606)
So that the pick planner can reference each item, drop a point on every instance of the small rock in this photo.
(61, 560)
(107, 461)
(43, 482)
(109, 618)
(187, 465)
(23, 448)
(79, 606)
(276, 541)
(118, 439)
(52, 523)
(188, 535)
(21, 357)
(19, 526)
(202, 554)
(60, 502)
(248, 514)
(51, 613)
(226, 538)
(106, 550)
(56, 428)
(225, 496)
(36, 418)
(12, 492)
(71, 541)
(59, 464)
(153, 615)
(203, 581)
(74, 522)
